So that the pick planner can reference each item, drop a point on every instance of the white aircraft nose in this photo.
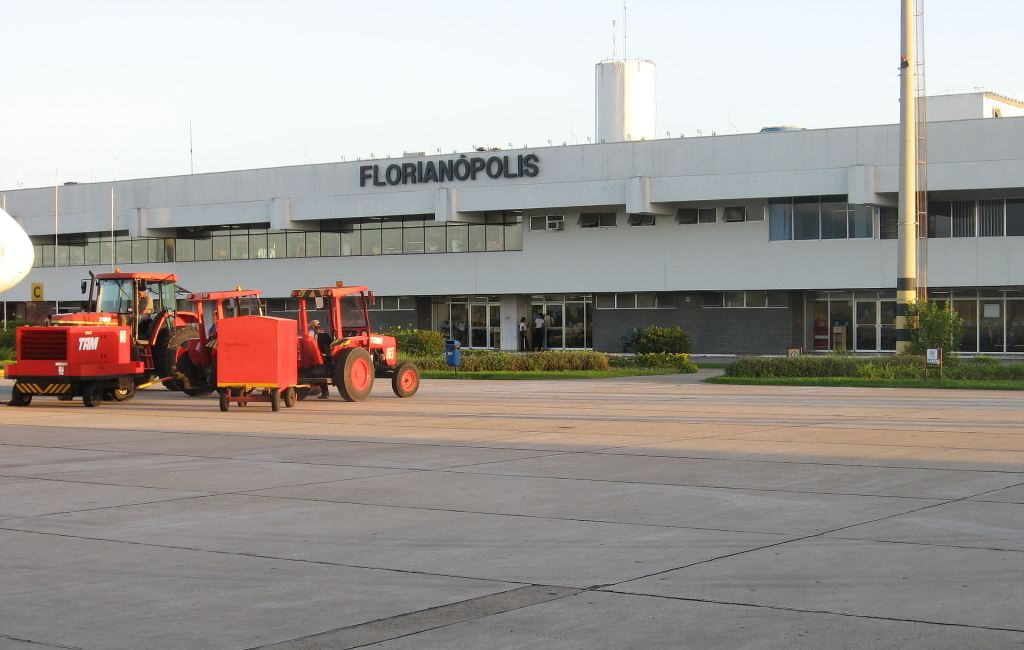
(16, 252)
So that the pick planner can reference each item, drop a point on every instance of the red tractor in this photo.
(117, 345)
(192, 351)
(347, 353)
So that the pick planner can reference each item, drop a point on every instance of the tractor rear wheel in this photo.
(198, 383)
(19, 398)
(225, 403)
(166, 353)
(92, 394)
(353, 374)
(406, 380)
(119, 394)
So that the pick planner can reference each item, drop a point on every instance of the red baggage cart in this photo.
(257, 361)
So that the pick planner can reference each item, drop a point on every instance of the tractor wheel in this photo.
(19, 398)
(289, 397)
(406, 380)
(275, 399)
(92, 394)
(165, 355)
(353, 374)
(119, 394)
(225, 403)
(199, 384)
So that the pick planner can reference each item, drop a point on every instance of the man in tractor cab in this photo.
(145, 310)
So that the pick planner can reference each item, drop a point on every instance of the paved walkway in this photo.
(649, 512)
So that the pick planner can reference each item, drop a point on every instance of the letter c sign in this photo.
(37, 292)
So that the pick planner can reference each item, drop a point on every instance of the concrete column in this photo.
(510, 323)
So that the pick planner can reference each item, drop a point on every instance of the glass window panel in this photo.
(76, 255)
(203, 249)
(605, 300)
(990, 218)
(625, 300)
(391, 241)
(514, 237)
(888, 223)
(433, 239)
(371, 241)
(968, 311)
(296, 244)
(805, 220)
(495, 234)
(258, 246)
(862, 222)
(778, 299)
(686, 215)
(123, 252)
(537, 223)
(412, 239)
(477, 237)
(780, 221)
(867, 337)
(1015, 325)
(712, 299)
(757, 299)
(734, 299)
(607, 219)
(277, 245)
(184, 250)
(458, 238)
(1014, 217)
(406, 303)
(157, 250)
(330, 244)
(92, 252)
(240, 245)
(351, 243)
(991, 331)
(755, 213)
(962, 213)
(312, 244)
(707, 215)
(646, 300)
(140, 251)
(62, 255)
(939, 219)
(833, 220)
(867, 313)
(733, 214)
(221, 248)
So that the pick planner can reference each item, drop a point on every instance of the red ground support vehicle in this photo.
(256, 361)
(117, 345)
(348, 354)
(192, 351)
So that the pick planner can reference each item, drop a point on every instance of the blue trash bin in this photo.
(452, 353)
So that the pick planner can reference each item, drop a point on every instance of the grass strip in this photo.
(861, 382)
(547, 374)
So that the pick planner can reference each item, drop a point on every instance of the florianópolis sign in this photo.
(462, 168)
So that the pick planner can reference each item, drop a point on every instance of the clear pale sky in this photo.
(104, 90)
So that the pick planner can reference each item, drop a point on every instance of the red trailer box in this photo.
(257, 352)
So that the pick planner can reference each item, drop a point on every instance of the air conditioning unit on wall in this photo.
(555, 222)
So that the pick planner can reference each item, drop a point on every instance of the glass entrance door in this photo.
(566, 318)
(484, 325)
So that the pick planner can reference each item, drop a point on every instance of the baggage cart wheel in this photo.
(92, 394)
(225, 401)
(302, 393)
(19, 398)
(275, 399)
(240, 393)
(119, 394)
(289, 397)
(406, 380)
(353, 374)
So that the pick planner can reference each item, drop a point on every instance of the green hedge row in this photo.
(418, 343)
(655, 339)
(680, 362)
(473, 361)
(893, 367)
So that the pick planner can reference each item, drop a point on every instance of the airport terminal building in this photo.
(752, 243)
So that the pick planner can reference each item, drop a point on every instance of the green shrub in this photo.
(899, 366)
(6, 352)
(934, 325)
(656, 339)
(418, 343)
(678, 362)
(551, 360)
(7, 335)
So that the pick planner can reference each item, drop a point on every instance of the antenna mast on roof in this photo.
(624, 56)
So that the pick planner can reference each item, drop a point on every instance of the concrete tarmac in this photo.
(654, 512)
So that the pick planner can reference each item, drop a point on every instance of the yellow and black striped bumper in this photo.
(30, 388)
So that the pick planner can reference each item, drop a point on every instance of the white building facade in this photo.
(753, 243)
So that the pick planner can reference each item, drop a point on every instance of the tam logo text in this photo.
(89, 343)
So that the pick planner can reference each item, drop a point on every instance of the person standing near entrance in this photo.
(547, 329)
(524, 339)
(538, 332)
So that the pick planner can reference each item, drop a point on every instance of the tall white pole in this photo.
(3, 203)
(56, 248)
(112, 248)
(906, 261)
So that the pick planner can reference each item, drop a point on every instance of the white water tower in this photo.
(625, 100)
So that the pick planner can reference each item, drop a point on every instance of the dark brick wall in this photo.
(712, 331)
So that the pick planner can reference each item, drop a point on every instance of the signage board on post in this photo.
(933, 357)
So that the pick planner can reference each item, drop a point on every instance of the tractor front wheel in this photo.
(353, 374)
(406, 380)
(92, 394)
